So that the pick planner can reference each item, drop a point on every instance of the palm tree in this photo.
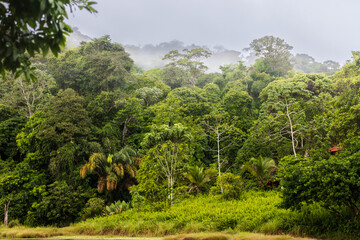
(198, 178)
(261, 168)
(112, 168)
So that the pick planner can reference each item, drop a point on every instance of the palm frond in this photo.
(119, 169)
(83, 171)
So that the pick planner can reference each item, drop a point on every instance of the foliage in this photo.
(198, 178)
(95, 66)
(10, 125)
(203, 213)
(14, 223)
(117, 207)
(149, 95)
(307, 64)
(189, 60)
(275, 52)
(261, 168)
(332, 183)
(229, 186)
(59, 205)
(154, 141)
(30, 27)
(20, 186)
(64, 130)
(27, 97)
(93, 208)
(168, 147)
(111, 169)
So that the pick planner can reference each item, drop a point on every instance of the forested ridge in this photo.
(96, 135)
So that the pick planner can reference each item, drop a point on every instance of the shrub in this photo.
(117, 207)
(93, 208)
(229, 185)
(14, 223)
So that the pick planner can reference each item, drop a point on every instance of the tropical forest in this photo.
(93, 144)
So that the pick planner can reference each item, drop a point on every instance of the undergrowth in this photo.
(254, 212)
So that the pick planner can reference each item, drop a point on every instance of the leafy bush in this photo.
(94, 207)
(59, 205)
(229, 186)
(117, 207)
(14, 223)
(333, 183)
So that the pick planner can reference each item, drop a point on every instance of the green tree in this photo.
(189, 60)
(175, 77)
(281, 109)
(95, 66)
(275, 52)
(216, 78)
(20, 186)
(222, 136)
(111, 169)
(64, 132)
(169, 148)
(332, 183)
(292, 110)
(27, 97)
(231, 185)
(233, 72)
(149, 95)
(33, 26)
(59, 205)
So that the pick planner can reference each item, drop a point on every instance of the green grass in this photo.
(255, 212)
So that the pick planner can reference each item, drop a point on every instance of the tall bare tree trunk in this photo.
(6, 208)
(291, 129)
(218, 155)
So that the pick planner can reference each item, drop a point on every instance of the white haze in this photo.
(324, 29)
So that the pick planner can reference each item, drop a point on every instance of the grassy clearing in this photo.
(255, 212)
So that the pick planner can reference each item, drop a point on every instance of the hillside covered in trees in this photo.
(96, 135)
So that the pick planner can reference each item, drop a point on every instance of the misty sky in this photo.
(324, 29)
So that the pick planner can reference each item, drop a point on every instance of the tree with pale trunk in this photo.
(168, 146)
(189, 60)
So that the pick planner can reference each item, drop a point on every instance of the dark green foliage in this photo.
(94, 67)
(215, 78)
(175, 77)
(10, 125)
(93, 208)
(59, 205)
(262, 169)
(64, 131)
(30, 27)
(21, 185)
(199, 179)
(333, 183)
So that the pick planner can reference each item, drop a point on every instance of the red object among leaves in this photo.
(334, 149)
